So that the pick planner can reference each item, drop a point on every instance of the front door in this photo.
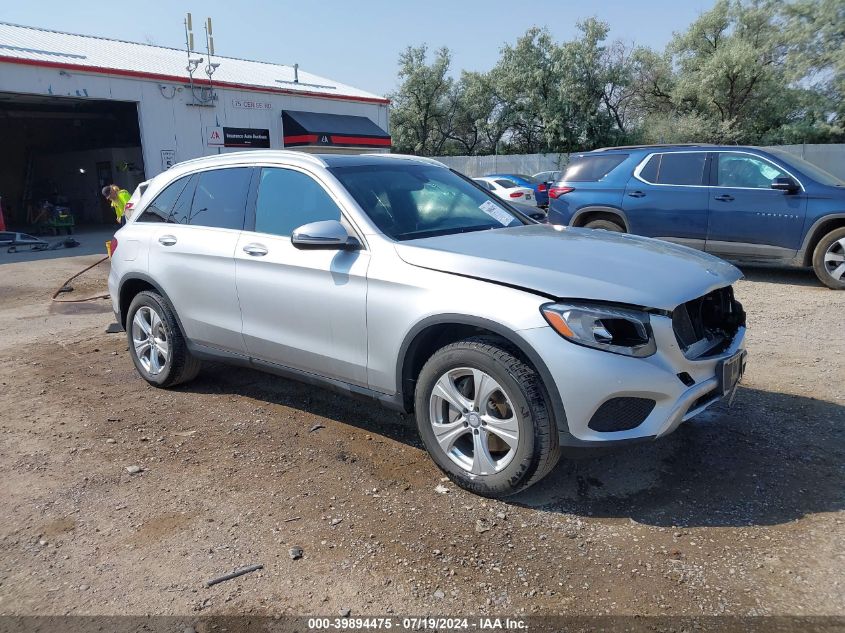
(302, 309)
(666, 198)
(747, 217)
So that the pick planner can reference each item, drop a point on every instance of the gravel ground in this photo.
(122, 499)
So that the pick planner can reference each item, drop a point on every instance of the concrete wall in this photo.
(167, 121)
(829, 157)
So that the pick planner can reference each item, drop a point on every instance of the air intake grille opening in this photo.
(621, 414)
(707, 325)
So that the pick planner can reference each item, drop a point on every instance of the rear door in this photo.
(747, 217)
(302, 309)
(667, 198)
(192, 252)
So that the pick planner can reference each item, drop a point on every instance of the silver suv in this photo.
(395, 278)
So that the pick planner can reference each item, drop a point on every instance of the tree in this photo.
(814, 38)
(746, 71)
(420, 105)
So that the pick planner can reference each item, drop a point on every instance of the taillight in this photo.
(541, 187)
(516, 194)
(557, 192)
(113, 246)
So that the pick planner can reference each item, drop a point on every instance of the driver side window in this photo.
(743, 170)
(287, 199)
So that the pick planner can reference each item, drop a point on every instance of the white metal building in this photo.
(78, 112)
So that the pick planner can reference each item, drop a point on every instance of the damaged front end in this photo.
(706, 326)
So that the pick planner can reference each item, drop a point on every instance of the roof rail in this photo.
(272, 153)
(422, 159)
(655, 145)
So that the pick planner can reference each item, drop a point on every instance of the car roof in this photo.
(671, 147)
(298, 157)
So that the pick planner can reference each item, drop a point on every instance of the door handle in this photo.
(637, 194)
(256, 250)
(167, 240)
(725, 197)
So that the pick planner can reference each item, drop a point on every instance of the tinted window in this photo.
(681, 168)
(162, 208)
(220, 198)
(743, 170)
(507, 184)
(288, 199)
(592, 168)
(485, 184)
(650, 169)
(414, 201)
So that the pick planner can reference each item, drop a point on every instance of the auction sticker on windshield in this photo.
(496, 212)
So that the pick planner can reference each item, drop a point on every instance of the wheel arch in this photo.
(434, 332)
(818, 230)
(135, 283)
(594, 212)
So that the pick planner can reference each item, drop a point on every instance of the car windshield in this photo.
(816, 173)
(412, 201)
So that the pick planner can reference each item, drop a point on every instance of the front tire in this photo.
(829, 259)
(484, 417)
(156, 344)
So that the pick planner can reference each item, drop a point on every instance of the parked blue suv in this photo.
(740, 203)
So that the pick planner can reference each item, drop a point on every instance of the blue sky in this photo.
(357, 42)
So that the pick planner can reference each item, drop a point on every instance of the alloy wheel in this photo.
(474, 421)
(149, 336)
(834, 260)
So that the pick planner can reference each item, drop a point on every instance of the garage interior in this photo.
(58, 153)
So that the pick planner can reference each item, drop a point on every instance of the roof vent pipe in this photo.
(296, 73)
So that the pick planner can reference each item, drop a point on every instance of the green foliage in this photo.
(746, 71)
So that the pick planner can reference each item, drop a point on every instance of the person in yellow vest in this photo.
(118, 198)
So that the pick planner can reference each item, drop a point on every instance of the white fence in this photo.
(474, 166)
(829, 157)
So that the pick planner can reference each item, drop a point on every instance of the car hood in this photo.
(563, 262)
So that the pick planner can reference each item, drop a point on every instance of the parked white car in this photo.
(508, 190)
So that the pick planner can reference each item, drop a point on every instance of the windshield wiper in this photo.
(414, 235)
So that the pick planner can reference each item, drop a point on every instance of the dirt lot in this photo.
(739, 512)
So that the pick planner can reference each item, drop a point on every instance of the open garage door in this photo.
(58, 153)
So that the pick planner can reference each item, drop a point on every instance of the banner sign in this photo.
(237, 137)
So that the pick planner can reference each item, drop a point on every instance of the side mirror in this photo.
(326, 235)
(785, 183)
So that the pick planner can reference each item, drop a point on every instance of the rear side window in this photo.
(163, 208)
(592, 168)
(680, 168)
(287, 199)
(220, 198)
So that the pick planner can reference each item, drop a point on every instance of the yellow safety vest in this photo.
(119, 205)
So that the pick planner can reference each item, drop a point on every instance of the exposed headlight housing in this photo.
(617, 330)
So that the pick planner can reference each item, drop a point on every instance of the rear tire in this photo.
(829, 259)
(156, 344)
(607, 225)
(504, 439)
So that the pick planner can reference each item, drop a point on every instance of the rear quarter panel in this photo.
(607, 192)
